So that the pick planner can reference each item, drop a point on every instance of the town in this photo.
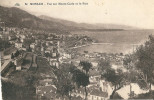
(36, 52)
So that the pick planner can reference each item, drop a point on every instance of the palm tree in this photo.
(86, 66)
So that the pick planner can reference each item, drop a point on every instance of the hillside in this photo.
(15, 17)
(85, 26)
(71, 23)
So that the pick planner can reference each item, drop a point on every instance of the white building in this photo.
(54, 63)
(18, 45)
(97, 95)
(94, 64)
(66, 55)
(32, 45)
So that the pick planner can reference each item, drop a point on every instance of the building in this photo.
(103, 85)
(94, 64)
(66, 55)
(18, 63)
(22, 40)
(11, 37)
(80, 92)
(34, 64)
(54, 54)
(18, 45)
(95, 78)
(47, 51)
(54, 63)
(32, 45)
(97, 94)
(42, 49)
(4, 36)
(22, 36)
(1, 36)
(46, 92)
(46, 82)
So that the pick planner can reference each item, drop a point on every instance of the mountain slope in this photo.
(15, 17)
(85, 25)
(70, 23)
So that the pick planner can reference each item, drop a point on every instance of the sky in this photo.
(138, 13)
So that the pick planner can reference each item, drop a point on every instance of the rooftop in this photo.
(99, 93)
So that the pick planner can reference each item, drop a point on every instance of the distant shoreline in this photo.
(99, 43)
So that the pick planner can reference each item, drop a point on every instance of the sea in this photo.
(125, 41)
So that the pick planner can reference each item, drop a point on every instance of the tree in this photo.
(20, 86)
(47, 54)
(104, 64)
(145, 63)
(127, 61)
(116, 78)
(81, 79)
(12, 56)
(11, 91)
(129, 64)
(28, 48)
(4, 44)
(86, 66)
(17, 53)
(63, 80)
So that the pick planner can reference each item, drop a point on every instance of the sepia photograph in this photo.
(77, 49)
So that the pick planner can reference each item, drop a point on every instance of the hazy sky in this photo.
(139, 13)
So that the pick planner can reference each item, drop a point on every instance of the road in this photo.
(5, 64)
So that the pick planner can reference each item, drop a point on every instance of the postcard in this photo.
(77, 49)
